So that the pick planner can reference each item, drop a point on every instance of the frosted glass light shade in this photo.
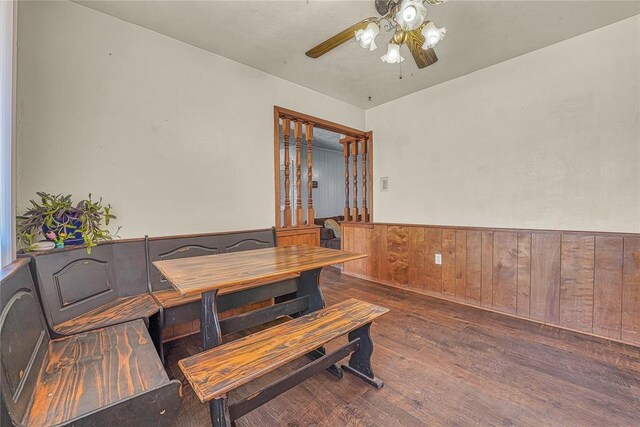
(367, 37)
(393, 54)
(411, 14)
(432, 35)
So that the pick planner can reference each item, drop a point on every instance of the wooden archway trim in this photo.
(352, 134)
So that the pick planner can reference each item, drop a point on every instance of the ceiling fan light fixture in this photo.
(405, 19)
(432, 35)
(393, 54)
(367, 37)
(411, 14)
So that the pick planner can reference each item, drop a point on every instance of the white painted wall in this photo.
(550, 139)
(177, 139)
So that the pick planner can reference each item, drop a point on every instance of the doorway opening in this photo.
(322, 178)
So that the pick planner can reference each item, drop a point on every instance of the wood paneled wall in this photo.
(298, 236)
(584, 281)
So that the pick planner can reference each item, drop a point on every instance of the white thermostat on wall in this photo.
(384, 183)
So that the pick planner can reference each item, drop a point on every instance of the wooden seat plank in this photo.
(172, 298)
(118, 311)
(91, 370)
(217, 371)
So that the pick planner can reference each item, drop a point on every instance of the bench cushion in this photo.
(86, 372)
(215, 372)
(172, 298)
(118, 311)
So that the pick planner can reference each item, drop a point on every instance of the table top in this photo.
(211, 272)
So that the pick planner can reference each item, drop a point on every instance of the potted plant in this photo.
(56, 217)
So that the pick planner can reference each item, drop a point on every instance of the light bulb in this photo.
(409, 14)
(366, 37)
(393, 54)
(432, 35)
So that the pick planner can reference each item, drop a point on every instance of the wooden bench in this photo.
(106, 376)
(217, 371)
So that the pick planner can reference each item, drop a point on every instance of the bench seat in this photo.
(215, 372)
(108, 376)
(118, 311)
(94, 370)
(170, 298)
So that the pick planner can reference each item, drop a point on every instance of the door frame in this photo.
(280, 113)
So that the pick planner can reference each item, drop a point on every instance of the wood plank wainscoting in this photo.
(583, 281)
(298, 236)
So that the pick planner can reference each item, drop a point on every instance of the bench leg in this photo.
(360, 361)
(156, 323)
(219, 409)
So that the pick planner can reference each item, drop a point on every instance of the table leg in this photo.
(309, 285)
(219, 412)
(209, 323)
(212, 337)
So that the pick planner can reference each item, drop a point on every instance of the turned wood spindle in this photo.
(297, 134)
(286, 134)
(354, 210)
(309, 138)
(363, 152)
(345, 146)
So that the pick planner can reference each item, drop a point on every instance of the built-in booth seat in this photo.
(117, 283)
(83, 291)
(106, 376)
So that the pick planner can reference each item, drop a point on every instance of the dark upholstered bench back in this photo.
(72, 282)
(24, 338)
(161, 248)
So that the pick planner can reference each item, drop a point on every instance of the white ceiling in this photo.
(273, 35)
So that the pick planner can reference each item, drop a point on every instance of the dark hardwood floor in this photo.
(449, 364)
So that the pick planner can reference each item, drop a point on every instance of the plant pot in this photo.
(75, 236)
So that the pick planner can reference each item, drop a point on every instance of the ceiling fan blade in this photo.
(338, 39)
(414, 42)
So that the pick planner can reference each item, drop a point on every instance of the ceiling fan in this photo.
(407, 18)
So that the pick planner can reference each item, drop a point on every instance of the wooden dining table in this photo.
(213, 275)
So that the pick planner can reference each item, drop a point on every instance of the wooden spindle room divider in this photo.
(295, 225)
